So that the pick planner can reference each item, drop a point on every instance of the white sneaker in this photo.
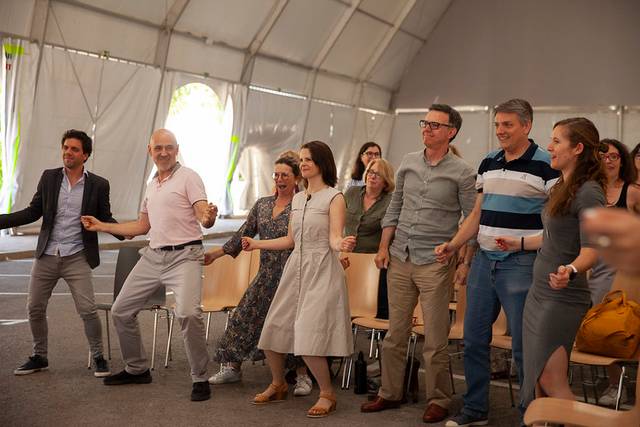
(227, 375)
(609, 396)
(303, 385)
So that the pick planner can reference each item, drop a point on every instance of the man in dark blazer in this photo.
(65, 249)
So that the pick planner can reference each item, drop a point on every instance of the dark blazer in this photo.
(95, 202)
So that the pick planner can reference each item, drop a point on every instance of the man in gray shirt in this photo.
(433, 188)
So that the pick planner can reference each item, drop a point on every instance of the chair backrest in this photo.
(225, 281)
(128, 256)
(255, 265)
(629, 284)
(362, 279)
(500, 326)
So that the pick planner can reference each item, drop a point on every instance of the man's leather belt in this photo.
(180, 247)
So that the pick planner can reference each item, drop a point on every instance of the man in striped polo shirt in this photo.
(513, 184)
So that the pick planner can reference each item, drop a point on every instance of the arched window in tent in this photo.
(203, 125)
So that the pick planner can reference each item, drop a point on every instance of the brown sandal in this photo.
(319, 412)
(278, 394)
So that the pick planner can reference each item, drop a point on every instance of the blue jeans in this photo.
(492, 284)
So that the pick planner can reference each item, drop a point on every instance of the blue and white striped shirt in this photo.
(514, 194)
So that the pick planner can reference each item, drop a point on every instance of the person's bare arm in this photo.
(468, 229)
(337, 212)
(132, 228)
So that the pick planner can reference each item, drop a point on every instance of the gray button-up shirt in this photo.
(66, 236)
(427, 204)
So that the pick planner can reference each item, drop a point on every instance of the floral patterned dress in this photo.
(245, 325)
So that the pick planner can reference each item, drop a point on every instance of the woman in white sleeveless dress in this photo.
(309, 315)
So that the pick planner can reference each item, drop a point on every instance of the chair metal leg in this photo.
(453, 387)
(594, 382)
(413, 342)
(155, 333)
(584, 386)
(206, 332)
(619, 394)
(373, 334)
(167, 356)
(106, 321)
(226, 323)
(377, 355)
(89, 360)
(355, 336)
(513, 403)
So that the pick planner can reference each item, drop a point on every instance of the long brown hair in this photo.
(588, 165)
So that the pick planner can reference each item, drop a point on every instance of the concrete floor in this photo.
(68, 393)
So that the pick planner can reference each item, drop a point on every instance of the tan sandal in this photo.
(278, 394)
(320, 412)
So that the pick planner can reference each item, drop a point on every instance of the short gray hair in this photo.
(518, 106)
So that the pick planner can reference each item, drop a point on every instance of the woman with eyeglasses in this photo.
(621, 192)
(366, 206)
(368, 152)
(309, 315)
(269, 218)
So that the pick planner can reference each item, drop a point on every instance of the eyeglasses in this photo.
(373, 173)
(612, 157)
(370, 154)
(432, 125)
(282, 175)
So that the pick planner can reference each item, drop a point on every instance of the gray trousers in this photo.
(181, 272)
(46, 272)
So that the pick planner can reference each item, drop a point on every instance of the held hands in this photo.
(345, 263)
(348, 244)
(508, 243)
(248, 244)
(209, 216)
(560, 279)
(91, 223)
(444, 252)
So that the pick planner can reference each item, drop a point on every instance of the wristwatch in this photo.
(574, 271)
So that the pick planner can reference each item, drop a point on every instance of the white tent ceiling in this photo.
(322, 48)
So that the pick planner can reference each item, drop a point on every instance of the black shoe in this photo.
(125, 377)
(34, 364)
(200, 391)
(102, 369)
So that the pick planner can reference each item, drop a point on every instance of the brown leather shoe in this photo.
(434, 414)
(379, 404)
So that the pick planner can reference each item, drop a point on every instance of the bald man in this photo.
(174, 207)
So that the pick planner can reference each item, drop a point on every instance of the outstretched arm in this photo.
(132, 228)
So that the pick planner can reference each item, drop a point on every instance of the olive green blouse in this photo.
(366, 226)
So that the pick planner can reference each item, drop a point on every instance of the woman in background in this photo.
(366, 206)
(369, 151)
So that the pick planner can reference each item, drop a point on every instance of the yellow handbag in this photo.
(611, 328)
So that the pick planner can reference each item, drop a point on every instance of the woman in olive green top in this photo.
(366, 207)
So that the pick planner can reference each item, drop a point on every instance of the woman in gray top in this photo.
(559, 296)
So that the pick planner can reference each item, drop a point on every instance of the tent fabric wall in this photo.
(17, 85)
(225, 91)
(110, 101)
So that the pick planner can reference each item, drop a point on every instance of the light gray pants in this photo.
(46, 272)
(179, 271)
